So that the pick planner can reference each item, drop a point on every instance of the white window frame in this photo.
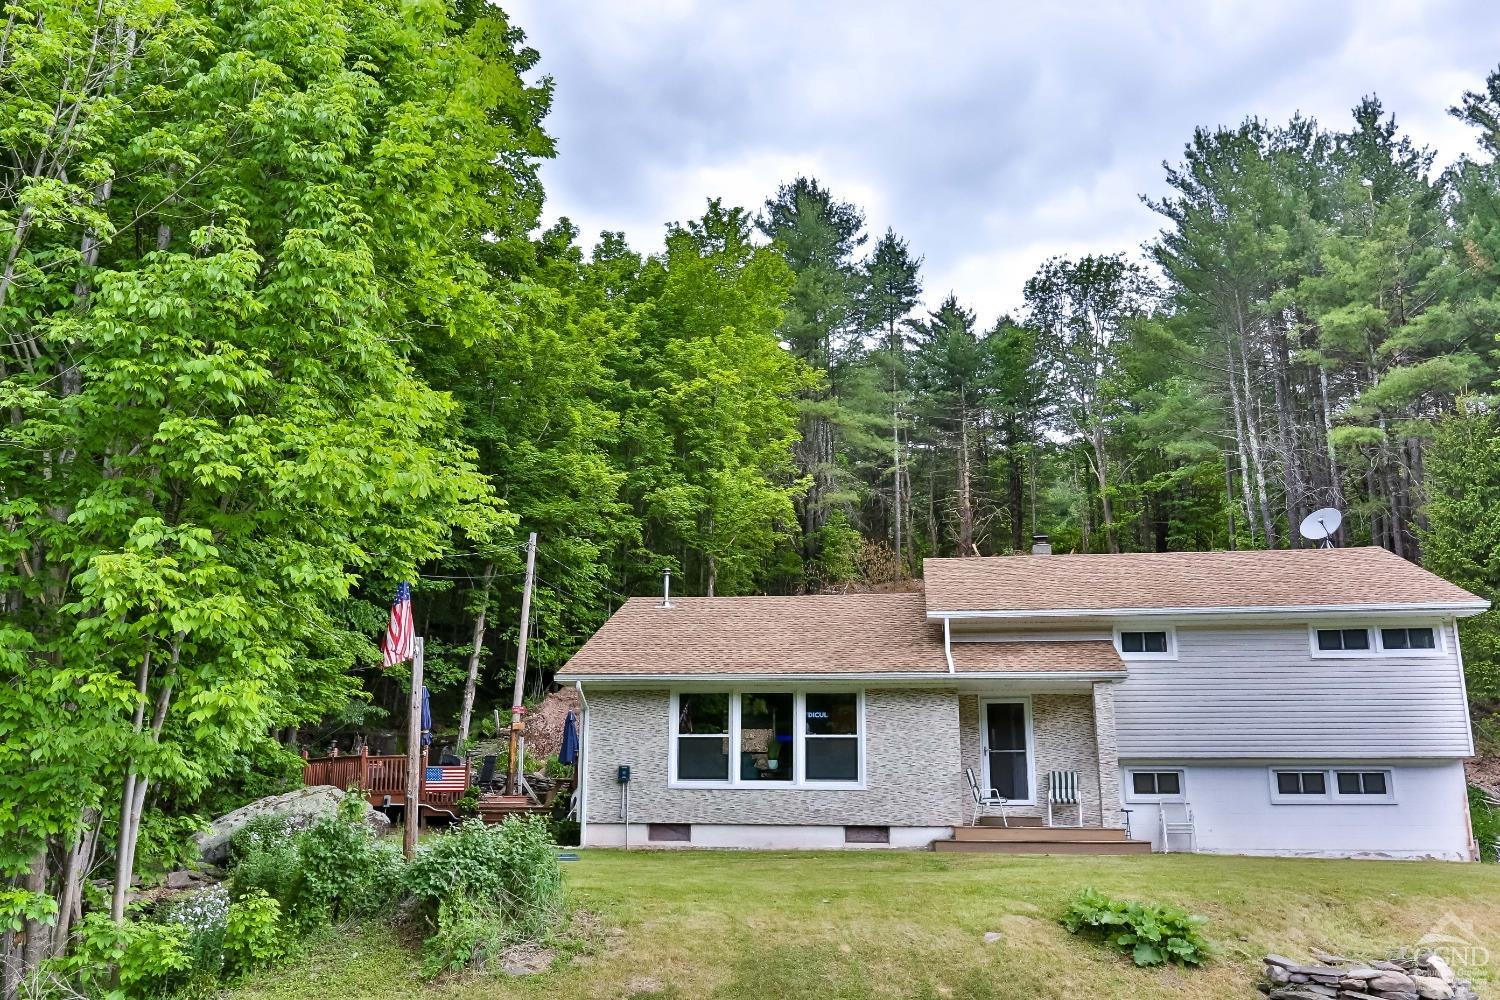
(1281, 799)
(1340, 654)
(799, 739)
(1359, 798)
(1439, 643)
(984, 750)
(1377, 644)
(1131, 795)
(1331, 794)
(1171, 633)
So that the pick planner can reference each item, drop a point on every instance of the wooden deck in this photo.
(1027, 836)
(382, 779)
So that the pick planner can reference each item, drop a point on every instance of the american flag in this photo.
(397, 644)
(447, 779)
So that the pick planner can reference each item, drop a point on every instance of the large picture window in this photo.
(767, 738)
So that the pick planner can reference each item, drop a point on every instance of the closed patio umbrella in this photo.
(426, 716)
(568, 753)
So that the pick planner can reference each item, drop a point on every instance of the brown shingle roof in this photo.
(821, 634)
(1159, 580)
(1037, 656)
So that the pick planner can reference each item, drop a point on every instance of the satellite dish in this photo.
(1320, 525)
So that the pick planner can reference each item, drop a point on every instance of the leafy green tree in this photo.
(714, 412)
(222, 243)
(1463, 532)
(1081, 310)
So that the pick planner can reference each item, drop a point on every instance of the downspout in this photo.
(583, 781)
(948, 643)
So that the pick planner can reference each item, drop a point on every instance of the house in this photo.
(1295, 702)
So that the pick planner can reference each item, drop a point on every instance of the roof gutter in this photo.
(1459, 607)
(905, 675)
(948, 643)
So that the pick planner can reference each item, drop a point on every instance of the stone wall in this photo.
(912, 770)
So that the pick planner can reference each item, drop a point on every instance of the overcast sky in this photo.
(990, 134)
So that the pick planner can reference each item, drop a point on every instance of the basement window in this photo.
(1154, 786)
(867, 835)
(1363, 786)
(669, 833)
(1301, 783)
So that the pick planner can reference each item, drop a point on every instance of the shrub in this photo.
(1149, 933)
(151, 958)
(266, 864)
(252, 932)
(479, 887)
(203, 916)
(1485, 817)
(330, 871)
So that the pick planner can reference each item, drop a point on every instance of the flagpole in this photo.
(413, 807)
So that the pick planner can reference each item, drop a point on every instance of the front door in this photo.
(1006, 750)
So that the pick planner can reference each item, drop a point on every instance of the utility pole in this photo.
(515, 766)
(413, 807)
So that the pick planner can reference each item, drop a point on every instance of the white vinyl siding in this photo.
(1260, 692)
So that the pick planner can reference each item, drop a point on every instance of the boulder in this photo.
(300, 809)
(1393, 982)
(1440, 968)
(1432, 988)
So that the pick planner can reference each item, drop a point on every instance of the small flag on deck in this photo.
(397, 644)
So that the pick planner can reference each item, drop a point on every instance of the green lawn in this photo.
(767, 926)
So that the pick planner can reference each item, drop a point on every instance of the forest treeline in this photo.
(281, 331)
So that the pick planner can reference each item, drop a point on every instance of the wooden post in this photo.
(513, 767)
(413, 807)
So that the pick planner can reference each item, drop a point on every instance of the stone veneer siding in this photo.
(912, 770)
(1066, 739)
(1109, 755)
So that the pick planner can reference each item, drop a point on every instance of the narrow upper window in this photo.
(1339, 639)
(1143, 642)
(1363, 783)
(1408, 638)
(703, 737)
(832, 737)
(1301, 783)
(1156, 783)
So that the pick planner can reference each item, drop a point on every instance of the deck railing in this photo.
(381, 777)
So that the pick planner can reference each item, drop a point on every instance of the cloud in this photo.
(990, 135)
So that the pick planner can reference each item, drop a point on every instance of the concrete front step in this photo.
(1051, 835)
(1042, 847)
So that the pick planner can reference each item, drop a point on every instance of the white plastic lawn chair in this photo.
(1062, 790)
(983, 800)
(1177, 820)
